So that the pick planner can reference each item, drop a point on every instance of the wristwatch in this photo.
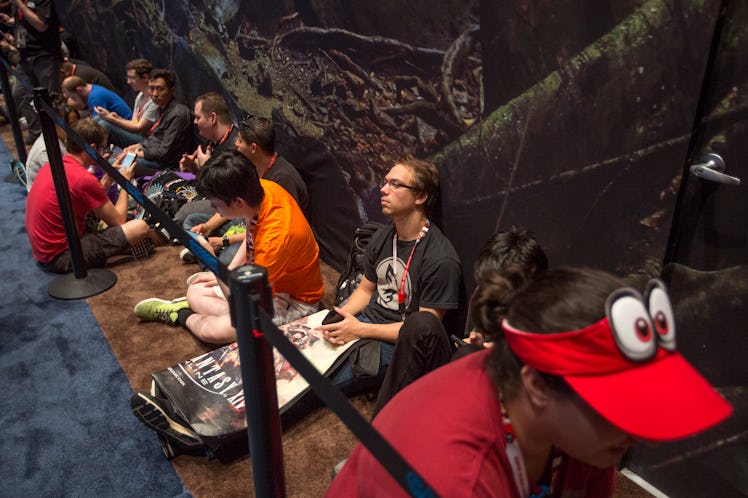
(225, 241)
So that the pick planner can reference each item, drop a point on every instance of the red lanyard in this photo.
(225, 135)
(514, 455)
(139, 110)
(156, 123)
(401, 289)
(271, 162)
(517, 462)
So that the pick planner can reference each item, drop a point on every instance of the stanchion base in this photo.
(95, 282)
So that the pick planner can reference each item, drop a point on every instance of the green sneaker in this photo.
(235, 229)
(156, 309)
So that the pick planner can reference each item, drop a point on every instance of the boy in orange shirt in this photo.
(281, 241)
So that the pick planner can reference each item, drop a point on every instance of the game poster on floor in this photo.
(207, 392)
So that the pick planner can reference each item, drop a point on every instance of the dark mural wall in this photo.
(568, 118)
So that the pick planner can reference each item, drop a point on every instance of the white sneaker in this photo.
(187, 257)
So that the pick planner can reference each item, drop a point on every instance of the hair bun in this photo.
(492, 297)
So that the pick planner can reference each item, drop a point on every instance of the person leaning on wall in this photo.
(411, 360)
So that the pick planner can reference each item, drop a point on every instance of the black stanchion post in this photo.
(61, 183)
(10, 109)
(250, 289)
(81, 283)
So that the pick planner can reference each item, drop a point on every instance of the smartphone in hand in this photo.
(332, 317)
(128, 159)
(457, 340)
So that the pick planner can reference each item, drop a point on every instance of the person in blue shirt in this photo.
(84, 95)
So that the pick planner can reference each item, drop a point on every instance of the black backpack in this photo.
(354, 266)
(169, 191)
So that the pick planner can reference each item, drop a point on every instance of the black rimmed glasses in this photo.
(394, 184)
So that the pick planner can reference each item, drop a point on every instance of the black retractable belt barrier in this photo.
(10, 108)
(250, 302)
(81, 283)
(254, 279)
(162, 218)
(66, 287)
(176, 231)
(249, 292)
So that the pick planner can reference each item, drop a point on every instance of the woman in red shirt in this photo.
(582, 368)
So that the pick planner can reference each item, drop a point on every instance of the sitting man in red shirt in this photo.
(281, 241)
(88, 195)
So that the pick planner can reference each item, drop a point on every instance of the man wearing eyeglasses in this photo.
(122, 131)
(410, 266)
(44, 224)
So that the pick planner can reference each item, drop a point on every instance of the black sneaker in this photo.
(172, 448)
(157, 414)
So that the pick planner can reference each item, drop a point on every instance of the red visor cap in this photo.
(662, 400)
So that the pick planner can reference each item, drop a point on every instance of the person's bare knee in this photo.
(193, 294)
(203, 300)
(135, 231)
(212, 329)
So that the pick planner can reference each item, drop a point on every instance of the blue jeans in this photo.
(345, 380)
(227, 254)
(195, 219)
(119, 136)
(150, 165)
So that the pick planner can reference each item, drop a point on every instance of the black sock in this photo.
(183, 315)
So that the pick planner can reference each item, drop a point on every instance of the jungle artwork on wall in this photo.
(568, 118)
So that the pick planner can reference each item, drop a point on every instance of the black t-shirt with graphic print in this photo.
(433, 280)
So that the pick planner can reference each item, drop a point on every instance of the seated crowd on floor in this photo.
(251, 206)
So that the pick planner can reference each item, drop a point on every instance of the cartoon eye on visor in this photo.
(638, 327)
(661, 311)
(631, 325)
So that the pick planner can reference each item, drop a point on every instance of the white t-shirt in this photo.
(145, 108)
(37, 157)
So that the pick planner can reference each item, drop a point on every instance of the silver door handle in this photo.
(711, 167)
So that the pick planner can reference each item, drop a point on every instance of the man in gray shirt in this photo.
(124, 132)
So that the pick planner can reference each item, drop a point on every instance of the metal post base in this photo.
(69, 287)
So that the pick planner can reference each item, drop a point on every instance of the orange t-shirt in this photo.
(286, 247)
